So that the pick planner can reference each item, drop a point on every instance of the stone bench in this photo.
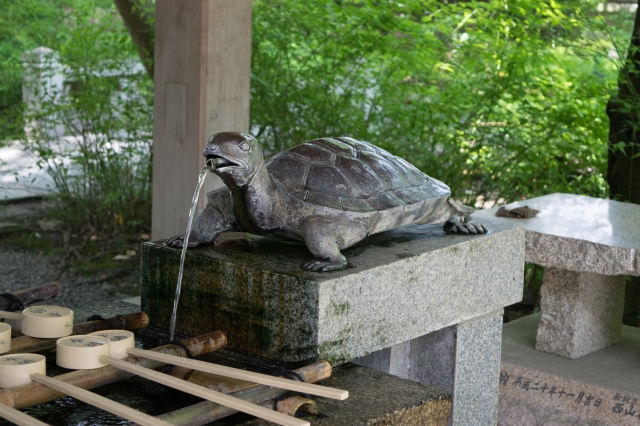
(413, 302)
(588, 245)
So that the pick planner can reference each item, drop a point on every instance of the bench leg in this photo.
(581, 312)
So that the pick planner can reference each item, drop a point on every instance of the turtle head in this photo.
(236, 156)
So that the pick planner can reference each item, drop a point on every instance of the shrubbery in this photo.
(496, 98)
(102, 172)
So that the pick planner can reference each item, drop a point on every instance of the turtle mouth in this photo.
(220, 162)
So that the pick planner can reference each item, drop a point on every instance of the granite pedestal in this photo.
(539, 388)
(588, 245)
(458, 359)
(400, 286)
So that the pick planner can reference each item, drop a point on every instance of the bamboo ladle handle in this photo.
(18, 417)
(99, 401)
(205, 393)
(11, 315)
(236, 373)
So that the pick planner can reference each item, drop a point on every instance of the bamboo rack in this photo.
(11, 315)
(249, 376)
(36, 393)
(18, 417)
(99, 401)
(206, 412)
(208, 394)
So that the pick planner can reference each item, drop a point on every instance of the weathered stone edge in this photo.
(580, 255)
(347, 353)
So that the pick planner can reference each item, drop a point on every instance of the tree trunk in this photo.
(138, 17)
(623, 174)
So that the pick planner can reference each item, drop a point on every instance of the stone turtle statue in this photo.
(330, 193)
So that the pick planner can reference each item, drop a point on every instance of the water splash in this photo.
(203, 173)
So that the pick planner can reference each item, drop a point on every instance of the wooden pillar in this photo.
(202, 77)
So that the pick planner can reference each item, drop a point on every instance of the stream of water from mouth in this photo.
(206, 169)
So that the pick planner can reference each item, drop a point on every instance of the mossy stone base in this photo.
(399, 285)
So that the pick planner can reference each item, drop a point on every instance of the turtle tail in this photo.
(459, 208)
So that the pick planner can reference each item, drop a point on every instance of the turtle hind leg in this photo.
(462, 227)
(460, 220)
(325, 236)
(459, 208)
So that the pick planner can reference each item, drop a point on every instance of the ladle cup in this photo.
(5, 337)
(16, 369)
(43, 321)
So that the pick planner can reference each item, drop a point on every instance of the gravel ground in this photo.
(21, 269)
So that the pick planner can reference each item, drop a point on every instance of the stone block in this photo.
(399, 285)
(463, 359)
(538, 388)
(580, 233)
(581, 312)
(378, 399)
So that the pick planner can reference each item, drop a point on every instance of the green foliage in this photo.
(494, 98)
(103, 172)
(24, 25)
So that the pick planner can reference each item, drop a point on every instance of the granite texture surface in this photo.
(477, 371)
(545, 397)
(615, 367)
(428, 359)
(463, 359)
(514, 412)
(434, 358)
(378, 399)
(580, 233)
(538, 388)
(399, 285)
(581, 312)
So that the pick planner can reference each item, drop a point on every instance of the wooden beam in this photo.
(33, 295)
(202, 77)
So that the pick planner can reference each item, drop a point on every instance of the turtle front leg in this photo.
(216, 218)
(325, 236)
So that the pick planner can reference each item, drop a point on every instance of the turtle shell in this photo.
(347, 174)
